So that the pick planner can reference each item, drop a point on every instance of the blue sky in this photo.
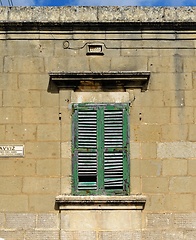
(101, 2)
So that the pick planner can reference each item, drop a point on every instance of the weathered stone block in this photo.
(37, 185)
(67, 64)
(159, 220)
(40, 115)
(155, 203)
(32, 81)
(149, 133)
(191, 167)
(166, 64)
(20, 221)
(190, 98)
(10, 115)
(152, 234)
(47, 221)
(129, 64)
(66, 167)
(172, 235)
(151, 168)
(135, 185)
(8, 81)
(184, 184)
(66, 185)
(184, 220)
(44, 132)
(174, 98)
(189, 64)
(117, 235)
(48, 167)
(38, 150)
(155, 115)
(49, 100)
(149, 150)
(172, 133)
(20, 48)
(155, 185)
(42, 202)
(22, 132)
(136, 52)
(78, 235)
(174, 167)
(148, 99)
(135, 150)
(23, 65)
(66, 150)
(66, 135)
(170, 81)
(179, 202)
(100, 63)
(176, 150)
(42, 234)
(13, 203)
(9, 235)
(182, 115)
(10, 185)
(21, 98)
(19, 167)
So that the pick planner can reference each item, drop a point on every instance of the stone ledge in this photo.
(132, 202)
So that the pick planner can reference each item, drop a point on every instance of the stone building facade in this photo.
(55, 58)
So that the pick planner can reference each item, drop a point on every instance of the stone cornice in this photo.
(107, 80)
(97, 18)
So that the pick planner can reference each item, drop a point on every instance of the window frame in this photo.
(100, 108)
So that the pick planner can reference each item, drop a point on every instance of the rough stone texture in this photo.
(35, 41)
(176, 150)
(47, 221)
(98, 14)
(20, 221)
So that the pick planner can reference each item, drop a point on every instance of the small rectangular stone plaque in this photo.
(11, 150)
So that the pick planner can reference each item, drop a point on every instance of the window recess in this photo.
(100, 149)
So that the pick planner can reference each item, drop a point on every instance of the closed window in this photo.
(100, 149)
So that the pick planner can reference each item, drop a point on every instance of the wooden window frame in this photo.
(101, 190)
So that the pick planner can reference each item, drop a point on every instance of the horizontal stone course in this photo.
(98, 14)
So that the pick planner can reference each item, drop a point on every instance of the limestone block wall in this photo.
(36, 41)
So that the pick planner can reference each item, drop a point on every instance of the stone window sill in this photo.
(132, 202)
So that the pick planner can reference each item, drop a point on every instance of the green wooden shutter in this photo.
(116, 148)
(100, 149)
(85, 149)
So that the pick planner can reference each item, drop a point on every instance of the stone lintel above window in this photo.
(99, 81)
(132, 202)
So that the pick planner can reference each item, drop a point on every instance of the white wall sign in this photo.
(11, 150)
